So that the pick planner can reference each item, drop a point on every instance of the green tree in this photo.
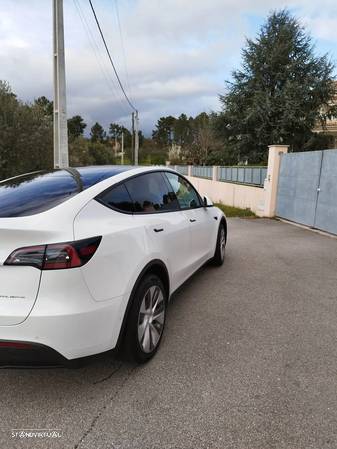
(76, 127)
(46, 105)
(100, 154)
(115, 130)
(127, 138)
(182, 130)
(141, 138)
(79, 153)
(205, 139)
(319, 141)
(97, 133)
(163, 134)
(9, 106)
(151, 153)
(26, 135)
(278, 94)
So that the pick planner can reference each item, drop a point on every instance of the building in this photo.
(330, 127)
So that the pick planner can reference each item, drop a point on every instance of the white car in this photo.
(89, 257)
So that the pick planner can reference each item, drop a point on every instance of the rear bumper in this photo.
(27, 354)
(67, 320)
(72, 336)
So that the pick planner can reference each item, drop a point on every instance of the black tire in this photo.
(136, 348)
(219, 255)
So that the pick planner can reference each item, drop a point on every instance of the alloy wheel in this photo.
(151, 319)
(222, 242)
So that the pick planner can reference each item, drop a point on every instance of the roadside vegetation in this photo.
(282, 90)
(231, 211)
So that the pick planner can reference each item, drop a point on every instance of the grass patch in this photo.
(231, 211)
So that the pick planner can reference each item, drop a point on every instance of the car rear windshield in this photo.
(38, 192)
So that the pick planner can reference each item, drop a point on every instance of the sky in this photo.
(173, 56)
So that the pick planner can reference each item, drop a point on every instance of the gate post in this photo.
(189, 170)
(215, 173)
(271, 182)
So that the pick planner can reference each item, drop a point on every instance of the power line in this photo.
(123, 46)
(108, 78)
(110, 58)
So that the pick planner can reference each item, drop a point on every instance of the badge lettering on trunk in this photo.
(11, 297)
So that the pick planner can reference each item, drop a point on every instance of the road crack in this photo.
(109, 376)
(105, 405)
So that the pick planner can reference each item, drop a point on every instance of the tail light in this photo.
(14, 344)
(57, 256)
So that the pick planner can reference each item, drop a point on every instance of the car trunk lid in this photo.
(19, 285)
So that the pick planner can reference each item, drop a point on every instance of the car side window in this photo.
(117, 198)
(150, 193)
(187, 196)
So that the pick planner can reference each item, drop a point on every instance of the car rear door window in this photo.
(187, 196)
(117, 198)
(36, 192)
(151, 193)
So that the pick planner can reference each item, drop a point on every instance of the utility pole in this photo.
(133, 138)
(136, 138)
(61, 155)
(122, 158)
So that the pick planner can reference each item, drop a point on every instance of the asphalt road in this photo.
(248, 361)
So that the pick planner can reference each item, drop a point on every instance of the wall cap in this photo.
(282, 146)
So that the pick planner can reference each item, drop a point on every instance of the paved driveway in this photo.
(249, 361)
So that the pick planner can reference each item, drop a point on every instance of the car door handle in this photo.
(158, 229)
(192, 220)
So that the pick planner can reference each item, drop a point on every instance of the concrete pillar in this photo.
(271, 182)
(215, 176)
(189, 170)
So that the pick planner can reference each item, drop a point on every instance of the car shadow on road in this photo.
(93, 370)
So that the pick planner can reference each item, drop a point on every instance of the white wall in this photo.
(231, 194)
(261, 200)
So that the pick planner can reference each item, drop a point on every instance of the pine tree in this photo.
(163, 134)
(97, 133)
(76, 127)
(279, 92)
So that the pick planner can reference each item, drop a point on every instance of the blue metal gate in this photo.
(307, 190)
(326, 211)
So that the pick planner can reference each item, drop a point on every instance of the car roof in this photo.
(89, 182)
(85, 177)
(94, 174)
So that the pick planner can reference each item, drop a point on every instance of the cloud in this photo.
(324, 28)
(13, 43)
(178, 52)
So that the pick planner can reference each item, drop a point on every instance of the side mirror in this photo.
(207, 202)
